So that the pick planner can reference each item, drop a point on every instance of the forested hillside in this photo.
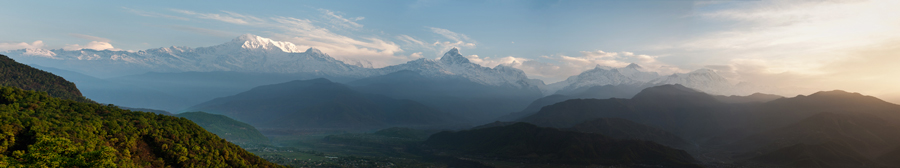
(26, 77)
(37, 130)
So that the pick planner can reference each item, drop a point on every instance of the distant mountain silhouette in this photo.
(594, 92)
(460, 96)
(750, 125)
(226, 128)
(522, 142)
(864, 134)
(674, 108)
(322, 104)
(753, 98)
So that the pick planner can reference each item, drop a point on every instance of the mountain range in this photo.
(322, 104)
(67, 130)
(254, 54)
(824, 129)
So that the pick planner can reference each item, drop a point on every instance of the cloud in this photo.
(21, 45)
(370, 51)
(340, 21)
(802, 35)
(209, 32)
(153, 14)
(491, 62)
(456, 40)
(449, 34)
(230, 17)
(87, 37)
(411, 40)
(94, 45)
(303, 32)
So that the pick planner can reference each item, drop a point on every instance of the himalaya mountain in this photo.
(188, 76)
(455, 85)
(247, 53)
(454, 65)
(703, 79)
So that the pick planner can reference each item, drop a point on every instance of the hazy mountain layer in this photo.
(459, 96)
(226, 128)
(322, 104)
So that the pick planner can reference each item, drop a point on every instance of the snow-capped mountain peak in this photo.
(454, 65)
(453, 57)
(634, 66)
(314, 51)
(249, 41)
(706, 80)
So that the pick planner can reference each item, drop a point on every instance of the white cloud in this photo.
(450, 34)
(797, 46)
(303, 32)
(365, 51)
(88, 37)
(492, 62)
(411, 40)
(802, 35)
(456, 40)
(21, 45)
(340, 21)
(230, 17)
(94, 45)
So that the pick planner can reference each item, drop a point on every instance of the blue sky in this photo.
(774, 42)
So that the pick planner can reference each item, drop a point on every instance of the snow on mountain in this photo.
(705, 80)
(453, 64)
(600, 76)
(251, 53)
(247, 53)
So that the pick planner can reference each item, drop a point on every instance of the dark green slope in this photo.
(820, 155)
(230, 129)
(37, 130)
(625, 129)
(674, 108)
(322, 104)
(23, 76)
(864, 134)
(523, 142)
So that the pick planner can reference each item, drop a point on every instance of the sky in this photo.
(789, 46)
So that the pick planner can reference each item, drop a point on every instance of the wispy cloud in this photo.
(94, 45)
(153, 14)
(450, 34)
(225, 16)
(88, 37)
(410, 40)
(340, 21)
(456, 40)
(363, 51)
(209, 32)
